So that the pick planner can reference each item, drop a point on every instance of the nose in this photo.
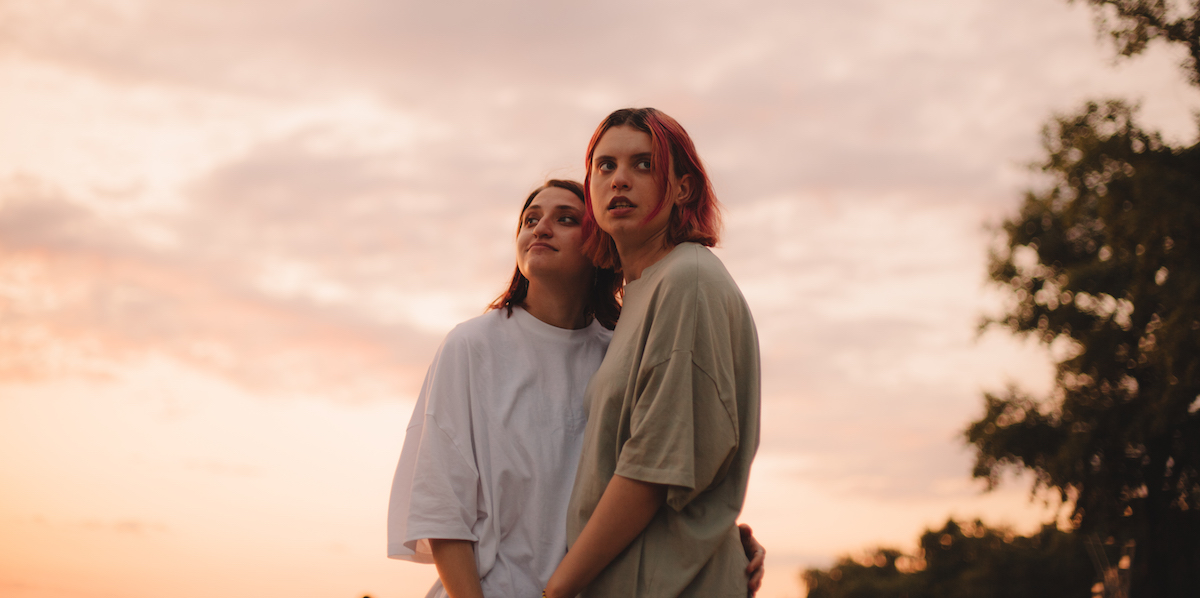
(543, 228)
(620, 178)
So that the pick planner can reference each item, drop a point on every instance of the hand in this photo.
(624, 511)
(757, 555)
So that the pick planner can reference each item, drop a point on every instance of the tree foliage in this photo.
(1133, 24)
(967, 560)
(1103, 266)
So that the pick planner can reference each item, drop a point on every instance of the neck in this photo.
(561, 305)
(636, 257)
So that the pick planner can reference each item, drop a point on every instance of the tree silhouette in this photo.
(1133, 24)
(963, 560)
(1103, 266)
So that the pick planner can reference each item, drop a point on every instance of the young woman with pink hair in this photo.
(673, 416)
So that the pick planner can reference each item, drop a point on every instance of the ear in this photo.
(683, 190)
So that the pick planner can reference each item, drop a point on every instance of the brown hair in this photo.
(697, 219)
(603, 298)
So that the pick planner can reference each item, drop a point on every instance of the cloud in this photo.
(781, 95)
(307, 196)
(36, 214)
(80, 295)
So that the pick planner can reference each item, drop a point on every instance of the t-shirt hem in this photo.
(418, 535)
(400, 552)
(654, 476)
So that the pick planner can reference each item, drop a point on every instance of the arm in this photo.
(455, 562)
(624, 510)
(757, 555)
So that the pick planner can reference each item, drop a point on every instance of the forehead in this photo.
(552, 198)
(623, 139)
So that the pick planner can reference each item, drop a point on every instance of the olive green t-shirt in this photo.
(675, 402)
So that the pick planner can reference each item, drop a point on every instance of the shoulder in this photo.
(692, 261)
(692, 267)
(468, 351)
(477, 331)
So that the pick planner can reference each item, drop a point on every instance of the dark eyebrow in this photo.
(553, 209)
(635, 157)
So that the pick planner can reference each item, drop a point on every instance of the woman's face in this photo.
(550, 240)
(623, 188)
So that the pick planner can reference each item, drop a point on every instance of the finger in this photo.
(756, 552)
(756, 563)
(749, 543)
(744, 530)
(756, 580)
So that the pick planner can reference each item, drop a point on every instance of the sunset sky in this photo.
(233, 232)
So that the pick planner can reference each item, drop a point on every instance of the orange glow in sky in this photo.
(233, 233)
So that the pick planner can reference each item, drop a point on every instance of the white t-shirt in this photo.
(490, 453)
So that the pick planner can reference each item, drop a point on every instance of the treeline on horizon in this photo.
(964, 560)
(1103, 262)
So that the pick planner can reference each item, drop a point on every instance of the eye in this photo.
(643, 164)
(605, 165)
(569, 220)
(530, 221)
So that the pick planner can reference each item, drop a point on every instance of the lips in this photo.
(542, 245)
(620, 203)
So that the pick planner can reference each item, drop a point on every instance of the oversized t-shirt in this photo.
(676, 402)
(490, 453)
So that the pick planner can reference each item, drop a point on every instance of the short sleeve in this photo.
(682, 431)
(436, 486)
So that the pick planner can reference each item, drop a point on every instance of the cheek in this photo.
(570, 237)
(571, 241)
(523, 239)
(597, 207)
(595, 189)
